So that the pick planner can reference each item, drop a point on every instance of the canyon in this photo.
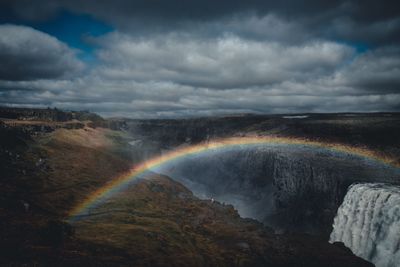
(271, 204)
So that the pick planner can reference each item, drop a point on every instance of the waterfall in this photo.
(368, 222)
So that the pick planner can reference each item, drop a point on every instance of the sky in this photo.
(188, 58)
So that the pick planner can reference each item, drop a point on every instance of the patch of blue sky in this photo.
(74, 30)
(359, 48)
(70, 28)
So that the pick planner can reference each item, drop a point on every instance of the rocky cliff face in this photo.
(174, 228)
(155, 222)
(288, 188)
(295, 189)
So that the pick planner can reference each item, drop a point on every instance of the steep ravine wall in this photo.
(287, 188)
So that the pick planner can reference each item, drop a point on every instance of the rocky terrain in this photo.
(292, 188)
(288, 188)
(375, 130)
(48, 166)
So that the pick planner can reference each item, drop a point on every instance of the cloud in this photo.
(198, 58)
(376, 71)
(222, 63)
(176, 76)
(368, 21)
(28, 54)
(352, 21)
(148, 99)
(382, 32)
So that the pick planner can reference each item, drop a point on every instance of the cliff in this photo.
(288, 188)
(157, 222)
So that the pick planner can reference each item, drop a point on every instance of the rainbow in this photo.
(123, 181)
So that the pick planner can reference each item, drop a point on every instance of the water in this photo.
(368, 222)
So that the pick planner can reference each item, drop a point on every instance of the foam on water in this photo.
(368, 222)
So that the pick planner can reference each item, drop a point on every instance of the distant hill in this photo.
(47, 114)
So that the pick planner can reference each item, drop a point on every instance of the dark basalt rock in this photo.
(289, 189)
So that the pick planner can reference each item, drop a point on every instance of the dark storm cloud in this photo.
(197, 58)
(360, 10)
(369, 21)
(167, 10)
(374, 71)
(227, 62)
(27, 54)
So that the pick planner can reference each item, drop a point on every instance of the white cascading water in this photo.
(368, 222)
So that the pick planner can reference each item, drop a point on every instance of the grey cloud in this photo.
(375, 71)
(350, 20)
(369, 22)
(226, 62)
(386, 31)
(198, 58)
(28, 54)
(155, 78)
(168, 10)
(158, 100)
